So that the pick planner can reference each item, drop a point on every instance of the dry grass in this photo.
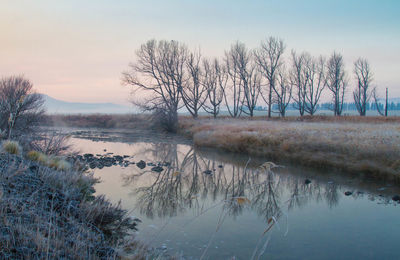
(55, 162)
(48, 214)
(352, 144)
(11, 147)
(131, 121)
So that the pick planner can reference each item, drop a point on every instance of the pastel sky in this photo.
(75, 50)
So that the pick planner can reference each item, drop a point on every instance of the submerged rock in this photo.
(207, 172)
(88, 155)
(157, 169)
(348, 193)
(307, 181)
(107, 163)
(396, 198)
(92, 165)
(118, 158)
(141, 164)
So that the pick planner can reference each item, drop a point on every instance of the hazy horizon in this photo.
(75, 51)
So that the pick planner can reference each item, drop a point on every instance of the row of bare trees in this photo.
(176, 77)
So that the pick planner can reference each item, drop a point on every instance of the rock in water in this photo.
(307, 181)
(141, 164)
(88, 155)
(348, 193)
(396, 198)
(92, 165)
(157, 169)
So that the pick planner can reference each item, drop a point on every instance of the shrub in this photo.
(63, 165)
(11, 147)
(38, 157)
(52, 161)
(42, 159)
(33, 155)
(55, 162)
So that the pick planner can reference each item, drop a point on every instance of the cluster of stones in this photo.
(107, 160)
(100, 161)
(154, 167)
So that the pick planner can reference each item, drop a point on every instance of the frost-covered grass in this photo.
(49, 214)
(368, 146)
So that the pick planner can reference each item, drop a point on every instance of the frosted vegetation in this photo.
(366, 147)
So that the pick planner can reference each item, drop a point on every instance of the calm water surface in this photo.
(245, 212)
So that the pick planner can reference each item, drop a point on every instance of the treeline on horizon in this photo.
(176, 77)
(370, 106)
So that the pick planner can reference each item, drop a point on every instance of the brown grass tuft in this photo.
(11, 147)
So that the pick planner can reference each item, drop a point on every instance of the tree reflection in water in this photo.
(183, 185)
(190, 181)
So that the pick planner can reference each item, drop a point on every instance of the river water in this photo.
(213, 205)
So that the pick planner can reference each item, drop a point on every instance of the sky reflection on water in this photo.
(247, 212)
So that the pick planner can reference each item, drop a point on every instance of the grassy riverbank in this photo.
(369, 145)
(107, 121)
(51, 214)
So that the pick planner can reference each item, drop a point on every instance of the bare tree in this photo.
(21, 108)
(159, 71)
(244, 76)
(268, 57)
(235, 87)
(337, 81)
(283, 91)
(362, 92)
(194, 93)
(215, 79)
(299, 78)
(251, 87)
(377, 103)
(316, 83)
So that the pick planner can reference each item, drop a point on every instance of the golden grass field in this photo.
(369, 145)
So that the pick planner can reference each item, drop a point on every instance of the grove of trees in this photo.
(167, 76)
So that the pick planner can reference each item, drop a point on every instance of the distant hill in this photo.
(55, 106)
